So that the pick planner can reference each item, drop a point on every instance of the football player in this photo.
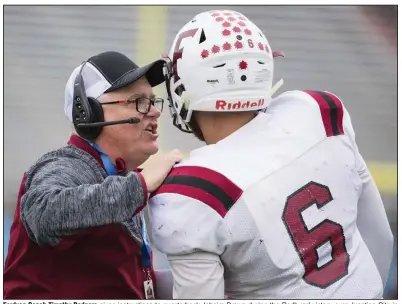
(279, 203)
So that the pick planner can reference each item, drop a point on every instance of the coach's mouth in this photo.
(152, 128)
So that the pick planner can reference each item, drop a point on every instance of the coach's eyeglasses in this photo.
(143, 104)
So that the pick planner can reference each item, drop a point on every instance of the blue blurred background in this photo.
(348, 50)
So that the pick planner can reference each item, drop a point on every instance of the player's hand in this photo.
(159, 167)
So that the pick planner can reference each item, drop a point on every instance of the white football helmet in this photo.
(220, 61)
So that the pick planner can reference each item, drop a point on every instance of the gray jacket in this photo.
(67, 190)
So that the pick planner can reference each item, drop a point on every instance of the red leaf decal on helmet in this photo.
(215, 49)
(243, 65)
(238, 45)
(204, 54)
(236, 29)
(226, 32)
(226, 46)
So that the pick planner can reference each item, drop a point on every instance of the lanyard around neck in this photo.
(107, 162)
(145, 248)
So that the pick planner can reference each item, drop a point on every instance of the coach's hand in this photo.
(156, 170)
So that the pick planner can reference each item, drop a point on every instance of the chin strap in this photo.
(276, 86)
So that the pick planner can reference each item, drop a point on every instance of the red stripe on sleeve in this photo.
(221, 201)
(339, 105)
(194, 193)
(214, 177)
(325, 112)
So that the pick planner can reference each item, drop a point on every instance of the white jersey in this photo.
(282, 208)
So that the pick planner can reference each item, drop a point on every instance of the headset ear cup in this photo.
(97, 110)
(97, 115)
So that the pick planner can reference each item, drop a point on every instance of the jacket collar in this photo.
(82, 144)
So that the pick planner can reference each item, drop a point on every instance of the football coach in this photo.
(78, 230)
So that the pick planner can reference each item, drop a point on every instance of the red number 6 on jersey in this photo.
(306, 241)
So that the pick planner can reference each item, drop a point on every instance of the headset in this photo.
(88, 117)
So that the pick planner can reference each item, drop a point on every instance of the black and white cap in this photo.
(107, 72)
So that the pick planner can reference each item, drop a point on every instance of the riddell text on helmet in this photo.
(224, 105)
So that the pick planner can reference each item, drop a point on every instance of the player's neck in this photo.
(218, 126)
